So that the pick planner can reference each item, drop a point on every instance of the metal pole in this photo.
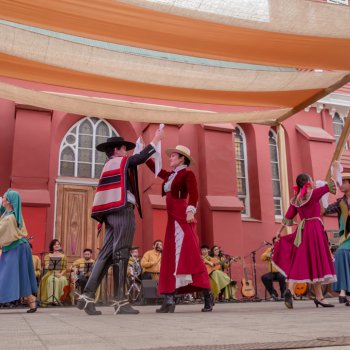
(282, 155)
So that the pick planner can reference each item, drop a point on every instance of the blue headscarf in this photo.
(14, 199)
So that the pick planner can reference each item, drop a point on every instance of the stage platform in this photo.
(261, 325)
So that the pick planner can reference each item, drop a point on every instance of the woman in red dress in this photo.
(182, 269)
(304, 256)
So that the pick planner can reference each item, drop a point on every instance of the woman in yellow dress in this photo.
(219, 280)
(54, 280)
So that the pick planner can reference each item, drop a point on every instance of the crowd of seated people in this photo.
(54, 275)
(58, 282)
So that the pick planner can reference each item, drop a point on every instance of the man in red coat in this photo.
(115, 198)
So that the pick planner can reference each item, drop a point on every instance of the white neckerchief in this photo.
(167, 185)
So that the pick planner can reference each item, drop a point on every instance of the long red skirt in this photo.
(182, 268)
(311, 261)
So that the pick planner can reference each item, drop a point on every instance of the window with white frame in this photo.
(338, 125)
(275, 171)
(242, 169)
(78, 154)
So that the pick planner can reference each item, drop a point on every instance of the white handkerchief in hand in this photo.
(158, 156)
(139, 146)
(324, 199)
(339, 179)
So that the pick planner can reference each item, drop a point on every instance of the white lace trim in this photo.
(191, 208)
(324, 280)
(181, 280)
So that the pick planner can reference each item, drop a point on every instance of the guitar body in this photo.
(217, 265)
(210, 269)
(248, 290)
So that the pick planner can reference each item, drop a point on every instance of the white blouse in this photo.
(167, 185)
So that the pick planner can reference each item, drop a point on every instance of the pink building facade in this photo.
(49, 157)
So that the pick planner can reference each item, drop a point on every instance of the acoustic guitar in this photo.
(248, 289)
(217, 264)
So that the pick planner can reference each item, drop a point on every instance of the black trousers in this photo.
(146, 276)
(271, 277)
(120, 229)
(81, 283)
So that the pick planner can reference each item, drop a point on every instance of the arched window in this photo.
(78, 155)
(242, 169)
(275, 171)
(338, 125)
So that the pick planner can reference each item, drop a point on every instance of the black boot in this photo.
(88, 305)
(343, 300)
(208, 301)
(168, 305)
(288, 299)
(121, 304)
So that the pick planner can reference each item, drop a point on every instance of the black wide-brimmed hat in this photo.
(115, 142)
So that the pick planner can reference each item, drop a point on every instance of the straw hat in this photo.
(183, 150)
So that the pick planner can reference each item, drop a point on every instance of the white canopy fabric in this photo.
(131, 111)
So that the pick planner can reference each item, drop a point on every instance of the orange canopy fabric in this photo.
(113, 21)
(112, 61)
(28, 70)
(76, 44)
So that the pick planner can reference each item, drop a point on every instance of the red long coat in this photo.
(182, 268)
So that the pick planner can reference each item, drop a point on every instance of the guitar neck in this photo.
(245, 271)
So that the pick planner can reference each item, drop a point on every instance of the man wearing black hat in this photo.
(116, 195)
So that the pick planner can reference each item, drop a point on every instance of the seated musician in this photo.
(272, 275)
(219, 280)
(53, 282)
(37, 265)
(134, 266)
(82, 268)
(134, 275)
(150, 261)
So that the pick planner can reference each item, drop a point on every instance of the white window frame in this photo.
(279, 172)
(343, 123)
(75, 147)
(245, 160)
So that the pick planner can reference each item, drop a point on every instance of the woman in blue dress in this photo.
(17, 276)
